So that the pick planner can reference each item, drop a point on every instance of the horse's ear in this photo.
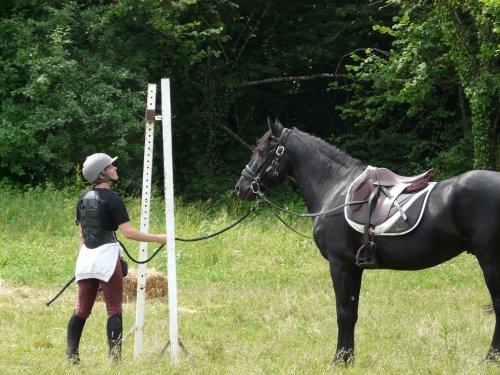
(276, 127)
(270, 123)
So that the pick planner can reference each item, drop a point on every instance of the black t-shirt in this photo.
(114, 213)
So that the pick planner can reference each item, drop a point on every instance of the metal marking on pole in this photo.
(145, 209)
(169, 215)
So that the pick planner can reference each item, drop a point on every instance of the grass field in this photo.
(255, 300)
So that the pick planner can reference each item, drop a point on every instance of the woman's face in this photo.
(111, 170)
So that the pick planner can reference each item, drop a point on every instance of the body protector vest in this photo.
(90, 208)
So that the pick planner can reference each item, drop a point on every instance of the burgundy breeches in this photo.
(112, 292)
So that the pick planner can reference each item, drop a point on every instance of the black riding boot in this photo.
(75, 329)
(114, 331)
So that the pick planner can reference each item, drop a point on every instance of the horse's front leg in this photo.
(347, 284)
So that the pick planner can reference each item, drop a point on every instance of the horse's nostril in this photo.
(237, 189)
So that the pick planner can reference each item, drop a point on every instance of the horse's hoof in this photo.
(344, 358)
(493, 355)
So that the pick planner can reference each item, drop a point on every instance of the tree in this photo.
(422, 96)
(65, 92)
(470, 32)
(73, 77)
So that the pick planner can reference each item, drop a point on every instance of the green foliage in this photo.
(433, 99)
(468, 29)
(73, 76)
(64, 93)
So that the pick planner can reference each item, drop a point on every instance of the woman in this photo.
(99, 213)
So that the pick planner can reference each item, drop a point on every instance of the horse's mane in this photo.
(328, 152)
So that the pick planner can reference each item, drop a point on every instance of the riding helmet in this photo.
(96, 164)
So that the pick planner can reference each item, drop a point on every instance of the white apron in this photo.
(98, 263)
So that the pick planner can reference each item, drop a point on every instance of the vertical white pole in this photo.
(169, 213)
(145, 209)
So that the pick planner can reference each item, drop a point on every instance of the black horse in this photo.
(461, 214)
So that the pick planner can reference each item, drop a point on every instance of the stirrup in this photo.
(365, 257)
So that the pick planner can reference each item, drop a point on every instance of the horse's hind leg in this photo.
(491, 272)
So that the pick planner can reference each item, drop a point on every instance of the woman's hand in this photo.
(162, 239)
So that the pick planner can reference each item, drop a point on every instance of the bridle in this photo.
(271, 162)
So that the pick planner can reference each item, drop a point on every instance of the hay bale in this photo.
(156, 285)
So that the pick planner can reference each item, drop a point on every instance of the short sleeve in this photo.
(119, 213)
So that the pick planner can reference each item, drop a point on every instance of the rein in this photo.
(270, 204)
(299, 214)
(288, 225)
(246, 215)
(155, 253)
(274, 158)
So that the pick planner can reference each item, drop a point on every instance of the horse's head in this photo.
(267, 167)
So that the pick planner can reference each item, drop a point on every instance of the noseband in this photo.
(274, 158)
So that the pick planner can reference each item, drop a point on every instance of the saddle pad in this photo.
(412, 204)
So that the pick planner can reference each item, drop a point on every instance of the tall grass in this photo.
(256, 300)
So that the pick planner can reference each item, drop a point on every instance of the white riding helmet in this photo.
(96, 164)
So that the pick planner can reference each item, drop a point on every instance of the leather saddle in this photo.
(380, 189)
(385, 186)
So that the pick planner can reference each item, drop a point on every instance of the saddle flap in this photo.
(384, 204)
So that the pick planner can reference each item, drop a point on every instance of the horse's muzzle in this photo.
(244, 191)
